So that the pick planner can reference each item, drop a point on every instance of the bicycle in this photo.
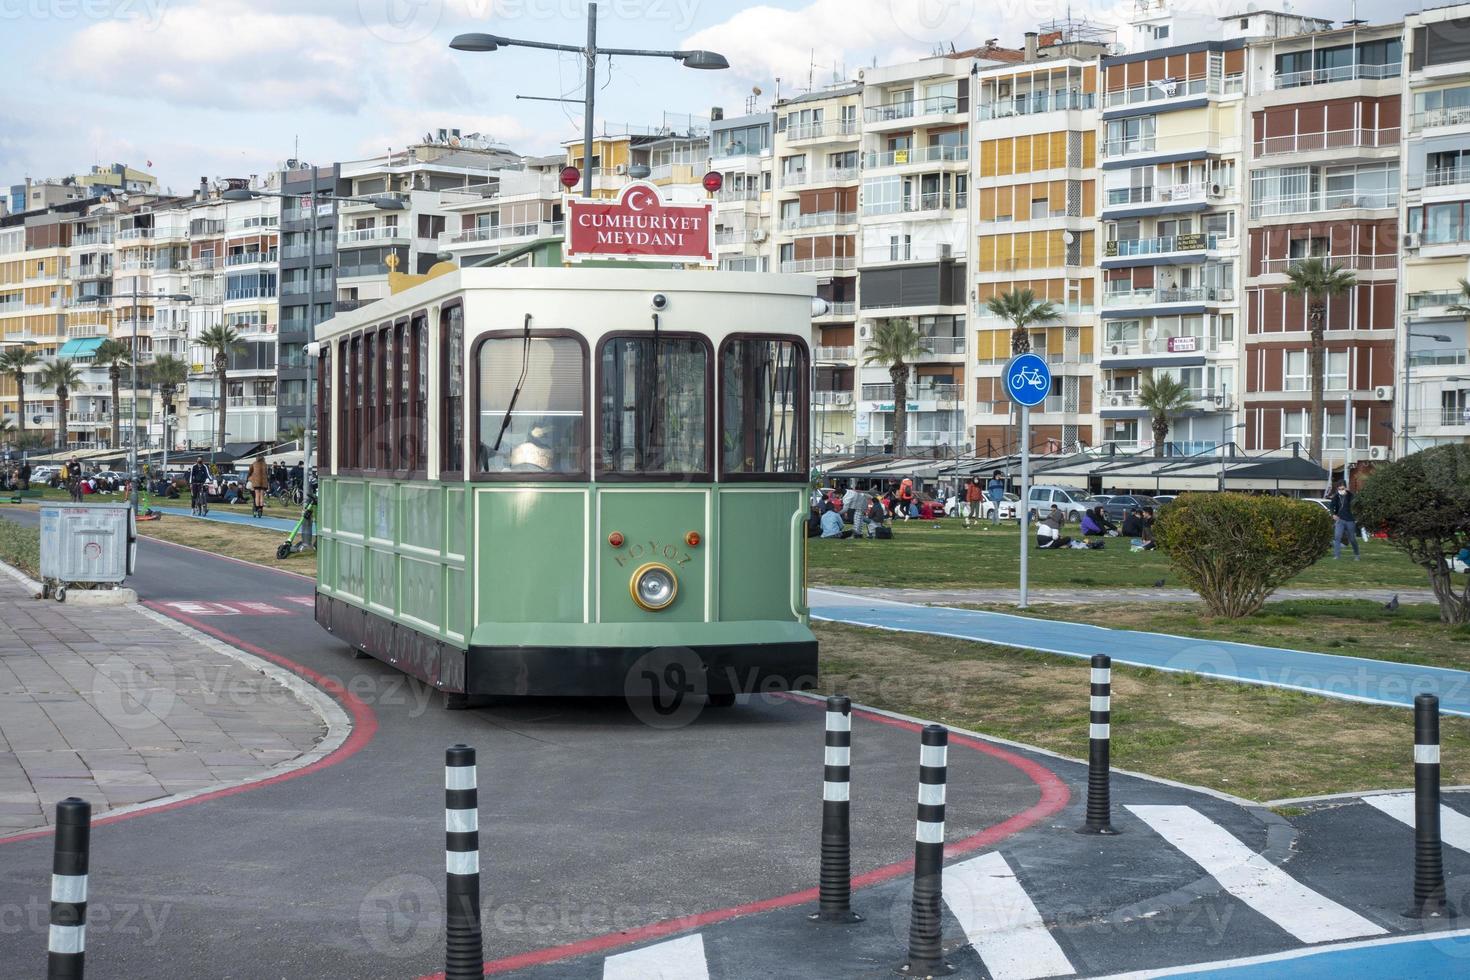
(199, 500)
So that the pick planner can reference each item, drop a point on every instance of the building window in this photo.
(1336, 374)
(530, 417)
(762, 407)
(451, 393)
(1294, 377)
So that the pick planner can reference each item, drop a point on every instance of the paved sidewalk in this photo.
(118, 708)
(1090, 595)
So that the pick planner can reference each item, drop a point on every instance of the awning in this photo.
(80, 347)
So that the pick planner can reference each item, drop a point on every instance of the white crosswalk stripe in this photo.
(677, 959)
(1454, 826)
(1001, 921)
(1310, 917)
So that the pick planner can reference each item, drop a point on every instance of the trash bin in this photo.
(94, 544)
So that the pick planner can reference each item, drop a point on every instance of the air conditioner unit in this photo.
(759, 235)
(1217, 190)
(1115, 400)
(185, 266)
(1383, 393)
(1378, 452)
(1115, 349)
(1219, 400)
(865, 331)
(1413, 239)
(621, 170)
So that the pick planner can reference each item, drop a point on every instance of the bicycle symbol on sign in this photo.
(1027, 376)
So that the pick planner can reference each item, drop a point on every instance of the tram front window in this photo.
(763, 413)
(655, 406)
(531, 406)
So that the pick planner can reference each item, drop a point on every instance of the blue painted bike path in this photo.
(1433, 957)
(1347, 678)
(223, 516)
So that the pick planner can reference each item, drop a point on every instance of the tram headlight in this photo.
(654, 586)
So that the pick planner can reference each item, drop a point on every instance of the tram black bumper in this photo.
(641, 671)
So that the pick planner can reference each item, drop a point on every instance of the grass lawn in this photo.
(1350, 628)
(1255, 742)
(21, 546)
(921, 556)
(250, 544)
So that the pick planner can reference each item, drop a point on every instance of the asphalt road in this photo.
(591, 821)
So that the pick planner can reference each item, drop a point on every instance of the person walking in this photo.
(25, 476)
(259, 480)
(972, 501)
(906, 499)
(996, 491)
(1345, 522)
(856, 502)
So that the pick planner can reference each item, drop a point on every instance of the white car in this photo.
(1072, 503)
(956, 507)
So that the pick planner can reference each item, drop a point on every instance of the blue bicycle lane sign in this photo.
(1027, 379)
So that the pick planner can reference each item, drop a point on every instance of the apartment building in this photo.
(912, 243)
(513, 207)
(1036, 212)
(308, 282)
(673, 156)
(1172, 162)
(815, 232)
(1433, 377)
(742, 153)
(34, 292)
(1324, 141)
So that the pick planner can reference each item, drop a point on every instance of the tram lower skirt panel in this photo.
(574, 671)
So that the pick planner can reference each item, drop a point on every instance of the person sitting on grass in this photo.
(1139, 526)
(832, 526)
(1095, 523)
(1049, 531)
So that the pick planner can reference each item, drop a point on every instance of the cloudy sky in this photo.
(228, 87)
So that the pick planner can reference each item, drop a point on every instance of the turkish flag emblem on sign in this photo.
(639, 225)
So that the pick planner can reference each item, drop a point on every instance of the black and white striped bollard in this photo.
(1429, 891)
(835, 891)
(464, 947)
(1099, 743)
(68, 939)
(926, 915)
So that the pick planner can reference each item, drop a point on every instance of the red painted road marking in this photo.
(1054, 796)
(364, 727)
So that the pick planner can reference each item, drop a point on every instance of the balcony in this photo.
(927, 154)
(1446, 176)
(92, 238)
(1337, 139)
(831, 175)
(944, 346)
(132, 234)
(1307, 203)
(911, 108)
(1160, 91)
(826, 129)
(135, 265)
(1427, 301)
(251, 401)
(359, 236)
(832, 399)
(743, 263)
(839, 310)
(834, 353)
(828, 264)
(1340, 73)
(734, 236)
(250, 292)
(499, 233)
(1132, 144)
(1445, 116)
(250, 258)
(937, 201)
(1387, 260)
(1036, 103)
(1159, 297)
(916, 393)
(1159, 246)
(819, 219)
(1178, 344)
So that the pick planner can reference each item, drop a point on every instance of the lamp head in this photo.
(238, 194)
(706, 60)
(475, 42)
(387, 202)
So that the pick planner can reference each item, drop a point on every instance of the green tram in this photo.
(561, 481)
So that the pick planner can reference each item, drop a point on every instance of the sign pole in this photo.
(1025, 502)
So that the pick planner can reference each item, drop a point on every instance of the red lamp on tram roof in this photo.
(569, 177)
(713, 181)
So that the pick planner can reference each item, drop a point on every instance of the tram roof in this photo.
(672, 282)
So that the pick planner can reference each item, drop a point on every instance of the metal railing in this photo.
(250, 258)
(923, 154)
(251, 401)
(1193, 242)
(819, 219)
(730, 195)
(820, 130)
(916, 393)
(1340, 73)
(495, 233)
(1161, 90)
(1336, 139)
(943, 346)
(1035, 103)
(834, 353)
(92, 238)
(828, 264)
(1387, 260)
(1152, 297)
(840, 309)
(1127, 145)
(250, 292)
(936, 201)
(1444, 116)
(828, 175)
(1447, 176)
(941, 104)
(354, 235)
(839, 398)
(128, 234)
(1427, 300)
(1336, 201)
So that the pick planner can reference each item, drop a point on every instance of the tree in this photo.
(1462, 308)
(295, 432)
(1235, 549)
(114, 355)
(1422, 502)
(1317, 281)
(1163, 395)
(220, 340)
(62, 376)
(14, 361)
(1020, 308)
(895, 342)
(167, 374)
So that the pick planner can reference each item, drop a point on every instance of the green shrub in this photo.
(1423, 502)
(1235, 549)
(21, 546)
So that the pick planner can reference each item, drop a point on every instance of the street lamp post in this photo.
(383, 202)
(707, 60)
(1438, 338)
(1227, 441)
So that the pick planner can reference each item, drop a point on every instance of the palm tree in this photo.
(168, 374)
(6, 428)
(14, 361)
(1163, 395)
(1021, 308)
(1317, 281)
(60, 374)
(114, 355)
(295, 432)
(221, 340)
(895, 342)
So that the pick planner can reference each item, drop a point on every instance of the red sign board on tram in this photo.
(639, 225)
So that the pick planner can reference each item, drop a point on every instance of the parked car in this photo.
(1166, 498)
(1120, 504)
(956, 508)
(44, 474)
(1072, 503)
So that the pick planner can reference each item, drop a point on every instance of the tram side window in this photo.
(402, 365)
(762, 418)
(654, 406)
(324, 408)
(353, 446)
(420, 393)
(383, 410)
(367, 398)
(530, 415)
(451, 391)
